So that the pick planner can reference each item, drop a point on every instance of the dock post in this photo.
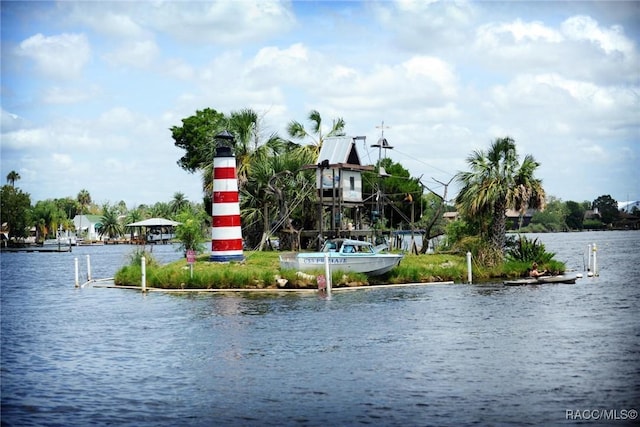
(469, 272)
(595, 264)
(143, 267)
(589, 254)
(77, 275)
(327, 273)
(88, 268)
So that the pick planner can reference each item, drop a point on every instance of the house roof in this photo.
(339, 149)
(94, 219)
(154, 222)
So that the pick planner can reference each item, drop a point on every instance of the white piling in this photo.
(143, 267)
(469, 272)
(589, 257)
(88, 268)
(327, 273)
(77, 275)
(595, 263)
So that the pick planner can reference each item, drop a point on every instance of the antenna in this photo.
(382, 143)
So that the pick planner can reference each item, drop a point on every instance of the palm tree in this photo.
(178, 203)
(296, 129)
(84, 199)
(12, 177)
(110, 224)
(497, 182)
(277, 191)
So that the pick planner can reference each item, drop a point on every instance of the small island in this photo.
(260, 270)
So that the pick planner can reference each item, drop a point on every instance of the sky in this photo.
(90, 89)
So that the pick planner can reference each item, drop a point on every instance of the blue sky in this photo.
(90, 89)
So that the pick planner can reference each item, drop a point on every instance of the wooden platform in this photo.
(38, 249)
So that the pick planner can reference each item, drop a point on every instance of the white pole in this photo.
(589, 257)
(469, 273)
(88, 268)
(77, 275)
(327, 273)
(143, 266)
(595, 264)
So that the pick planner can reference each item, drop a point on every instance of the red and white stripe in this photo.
(226, 230)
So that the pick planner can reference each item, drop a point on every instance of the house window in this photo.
(352, 183)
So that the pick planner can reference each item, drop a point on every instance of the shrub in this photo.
(526, 250)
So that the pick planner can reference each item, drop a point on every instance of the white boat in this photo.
(344, 255)
(63, 239)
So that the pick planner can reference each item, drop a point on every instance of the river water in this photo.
(452, 355)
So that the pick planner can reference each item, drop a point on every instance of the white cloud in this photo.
(223, 22)
(61, 160)
(136, 54)
(63, 56)
(69, 94)
(610, 40)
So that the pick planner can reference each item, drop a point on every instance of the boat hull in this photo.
(372, 265)
(563, 278)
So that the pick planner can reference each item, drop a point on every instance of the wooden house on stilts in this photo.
(339, 186)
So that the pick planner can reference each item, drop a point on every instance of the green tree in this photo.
(12, 177)
(47, 217)
(495, 183)
(397, 197)
(15, 207)
(197, 137)
(178, 203)
(607, 207)
(190, 232)
(297, 130)
(278, 193)
(110, 224)
(575, 215)
(553, 217)
(161, 210)
(84, 199)
(249, 142)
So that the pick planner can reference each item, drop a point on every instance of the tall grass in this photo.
(262, 270)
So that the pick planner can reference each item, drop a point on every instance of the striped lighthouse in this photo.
(226, 231)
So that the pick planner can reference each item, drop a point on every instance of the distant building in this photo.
(516, 220)
(450, 216)
(88, 226)
(628, 207)
(592, 214)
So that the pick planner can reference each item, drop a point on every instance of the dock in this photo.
(62, 248)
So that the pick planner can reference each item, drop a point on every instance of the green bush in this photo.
(526, 250)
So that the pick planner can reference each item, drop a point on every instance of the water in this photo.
(435, 355)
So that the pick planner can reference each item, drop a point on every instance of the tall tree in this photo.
(575, 215)
(12, 177)
(197, 137)
(15, 207)
(607, 207)
(48, 217)
(497, 182)
(178, 203)
(297, 130)
(84, 199)
(110, 224)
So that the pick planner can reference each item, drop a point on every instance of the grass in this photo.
(261, 270)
